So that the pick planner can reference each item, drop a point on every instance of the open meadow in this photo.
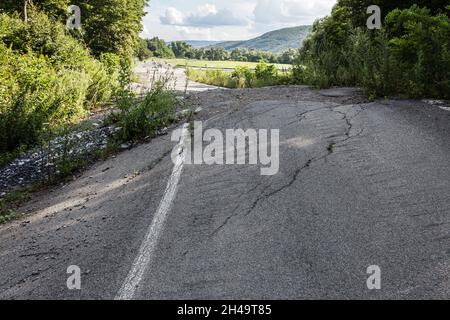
(224, 65)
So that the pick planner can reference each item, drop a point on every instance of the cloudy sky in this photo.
(228, 19)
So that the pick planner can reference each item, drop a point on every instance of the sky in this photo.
(222, 20)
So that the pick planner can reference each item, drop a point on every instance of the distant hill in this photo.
(275, 41)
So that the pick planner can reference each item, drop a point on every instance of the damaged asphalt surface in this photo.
(360, 183)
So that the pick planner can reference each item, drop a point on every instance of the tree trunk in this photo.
(25, 13)
(26, 4)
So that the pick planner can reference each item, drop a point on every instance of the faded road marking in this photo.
(148, 246)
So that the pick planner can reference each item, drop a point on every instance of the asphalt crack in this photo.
(330, 149)
(234, 213)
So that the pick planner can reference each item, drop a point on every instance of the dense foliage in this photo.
(51, 76)
(107, 25)
(410, 55)
(159, 48)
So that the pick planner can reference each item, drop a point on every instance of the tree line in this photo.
(156, 47)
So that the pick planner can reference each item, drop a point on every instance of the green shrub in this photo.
(47, 79)
(142, 52)
(410, 56)
(265, 72)
(244, 77)
(142, 116)
(420, 42)
(217, 78)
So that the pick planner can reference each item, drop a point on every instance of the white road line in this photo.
(148, 246)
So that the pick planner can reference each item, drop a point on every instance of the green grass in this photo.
(231, 65)
(242, 77)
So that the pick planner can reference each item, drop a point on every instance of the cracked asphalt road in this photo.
(360, 183)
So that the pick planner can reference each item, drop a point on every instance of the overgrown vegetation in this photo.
(409, 56)
(51, 77)
(111, 26)
(48, 79)
(142, 116)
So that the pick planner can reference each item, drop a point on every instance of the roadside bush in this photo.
(35, 96)
(47, 79)
(244, 77)
(217, 78)
(420, 43)
(142, 52)
(410, 56)
(142, 116)
(265, 72)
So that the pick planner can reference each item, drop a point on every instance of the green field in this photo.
(230, 65)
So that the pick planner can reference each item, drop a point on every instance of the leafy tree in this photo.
(214, 54)
(356, 9)
(107, 25)
(288, 56)
(54, 8)
(112, 25)
(199, 54)
(238, 55)
(159, 48)
(142, 51)
(182, 50)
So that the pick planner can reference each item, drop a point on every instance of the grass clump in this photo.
(142, 116)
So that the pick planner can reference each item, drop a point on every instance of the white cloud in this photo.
(267, 11)
(228, 19)
(291, 11)
(307, 8)
(206, 15)
(206, 9)
(172, 17)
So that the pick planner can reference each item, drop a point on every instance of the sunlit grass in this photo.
(231, 65)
